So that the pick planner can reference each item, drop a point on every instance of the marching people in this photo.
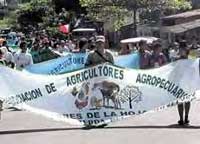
(46, 52)
(183, 107)
(99, 56)
(5, 44)
(22, 58)
(48, 42)
(158, 59)
(145, 55)
(174, 51)
(125, 50)
(2, 59)
(63, 47)
(83, 45)
(150, 56)
(8, 57)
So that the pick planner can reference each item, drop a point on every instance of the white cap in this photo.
(100, 38)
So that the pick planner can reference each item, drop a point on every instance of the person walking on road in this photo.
(183, 107)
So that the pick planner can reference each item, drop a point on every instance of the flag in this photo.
(64, 28)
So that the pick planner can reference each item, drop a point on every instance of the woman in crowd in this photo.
(158, 59)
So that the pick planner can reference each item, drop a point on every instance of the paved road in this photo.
(156, 128)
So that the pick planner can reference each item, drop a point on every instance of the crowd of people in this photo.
(38, 46)
(155, 57)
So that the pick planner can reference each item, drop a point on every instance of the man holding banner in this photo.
(99, 56)
(183, 54)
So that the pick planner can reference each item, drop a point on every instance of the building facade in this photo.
(184, 25)
(196, 4)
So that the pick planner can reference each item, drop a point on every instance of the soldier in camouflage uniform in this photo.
(99, 55)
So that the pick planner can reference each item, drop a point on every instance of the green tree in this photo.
(34, 12)
(118, 9)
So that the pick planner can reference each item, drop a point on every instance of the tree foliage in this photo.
(9, 21)
(118, 9)
(178, 4)
(30, 5)
(35, 13)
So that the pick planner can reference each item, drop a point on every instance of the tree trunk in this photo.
(130, 103)
(135, 22)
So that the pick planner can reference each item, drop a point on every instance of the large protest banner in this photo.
(100, 94)
(75, 61)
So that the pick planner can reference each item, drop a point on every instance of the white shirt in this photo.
(63, 49)
(173, 54)
(9, 57)
(22, 60)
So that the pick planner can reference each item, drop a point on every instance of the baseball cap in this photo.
(100, 38)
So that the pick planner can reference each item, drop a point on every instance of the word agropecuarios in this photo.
(164, 84)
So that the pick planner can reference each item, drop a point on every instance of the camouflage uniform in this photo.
(95, 58)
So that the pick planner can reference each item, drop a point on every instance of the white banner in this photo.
(100, 94)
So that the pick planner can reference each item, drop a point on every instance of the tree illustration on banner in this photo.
(130, 94)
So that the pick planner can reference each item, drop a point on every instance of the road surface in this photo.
(20, 127)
